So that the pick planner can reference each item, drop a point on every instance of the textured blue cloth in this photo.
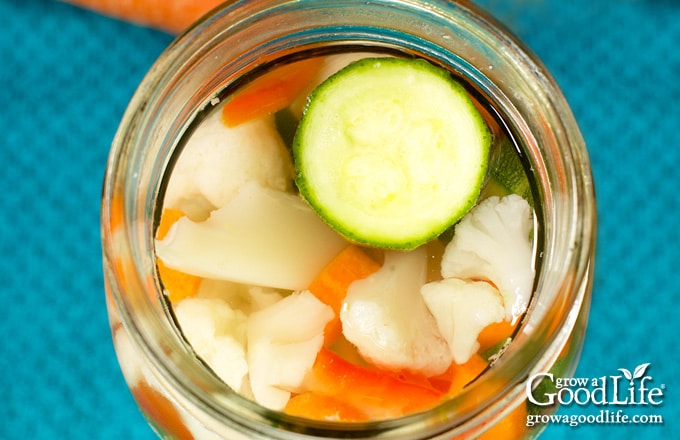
(67, 75)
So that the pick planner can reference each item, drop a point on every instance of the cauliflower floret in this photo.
(130, 362)
(462, 309)
(262, 237)
(262, 297)
(248, 299)
(217, 334)
(218, 160)
(492, 242)
(386, 318)
(283, 341)
(234, 294)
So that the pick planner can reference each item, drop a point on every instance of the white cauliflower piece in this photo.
(386, 318)
(217, 334)
(462, 310)
(262, 237)
(492, 242)
(283, 341)
(248, 299)
(128, 357)
(262, 297)
(218, 160)
(234, 294)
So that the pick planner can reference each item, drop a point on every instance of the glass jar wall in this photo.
(179, 396)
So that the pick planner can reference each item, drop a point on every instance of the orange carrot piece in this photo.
(160, 412)
(116, 211)
(458, 376)
(495, 333)
(378, 394)
(465, 373)
(270, 93)
(178, 285)
(511, 427)
(331, 284)
(168, 218)
(319, 407)
(172, 16)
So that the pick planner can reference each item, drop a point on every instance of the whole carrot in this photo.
(172, 16)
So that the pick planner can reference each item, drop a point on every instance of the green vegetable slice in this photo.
(390, 152)
(506, 173)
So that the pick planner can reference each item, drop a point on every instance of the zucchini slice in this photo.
(390, 152)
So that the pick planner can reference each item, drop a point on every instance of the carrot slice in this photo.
(117, 211)
(270, 93)
(169, 15)
(453, 380)
(378, 394)
(160, 412)
(512, 427)
(494, 334)
(178, 285)
(331, 284)
(465, 373)
(168, 218)
(319, 407)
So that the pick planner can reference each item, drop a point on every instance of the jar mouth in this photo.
(207, 60)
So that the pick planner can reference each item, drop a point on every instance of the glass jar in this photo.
(178, 395)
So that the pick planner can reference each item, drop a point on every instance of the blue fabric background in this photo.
(66, 77)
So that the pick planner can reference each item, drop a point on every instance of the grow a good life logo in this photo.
(627, 389)
(613, 395)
